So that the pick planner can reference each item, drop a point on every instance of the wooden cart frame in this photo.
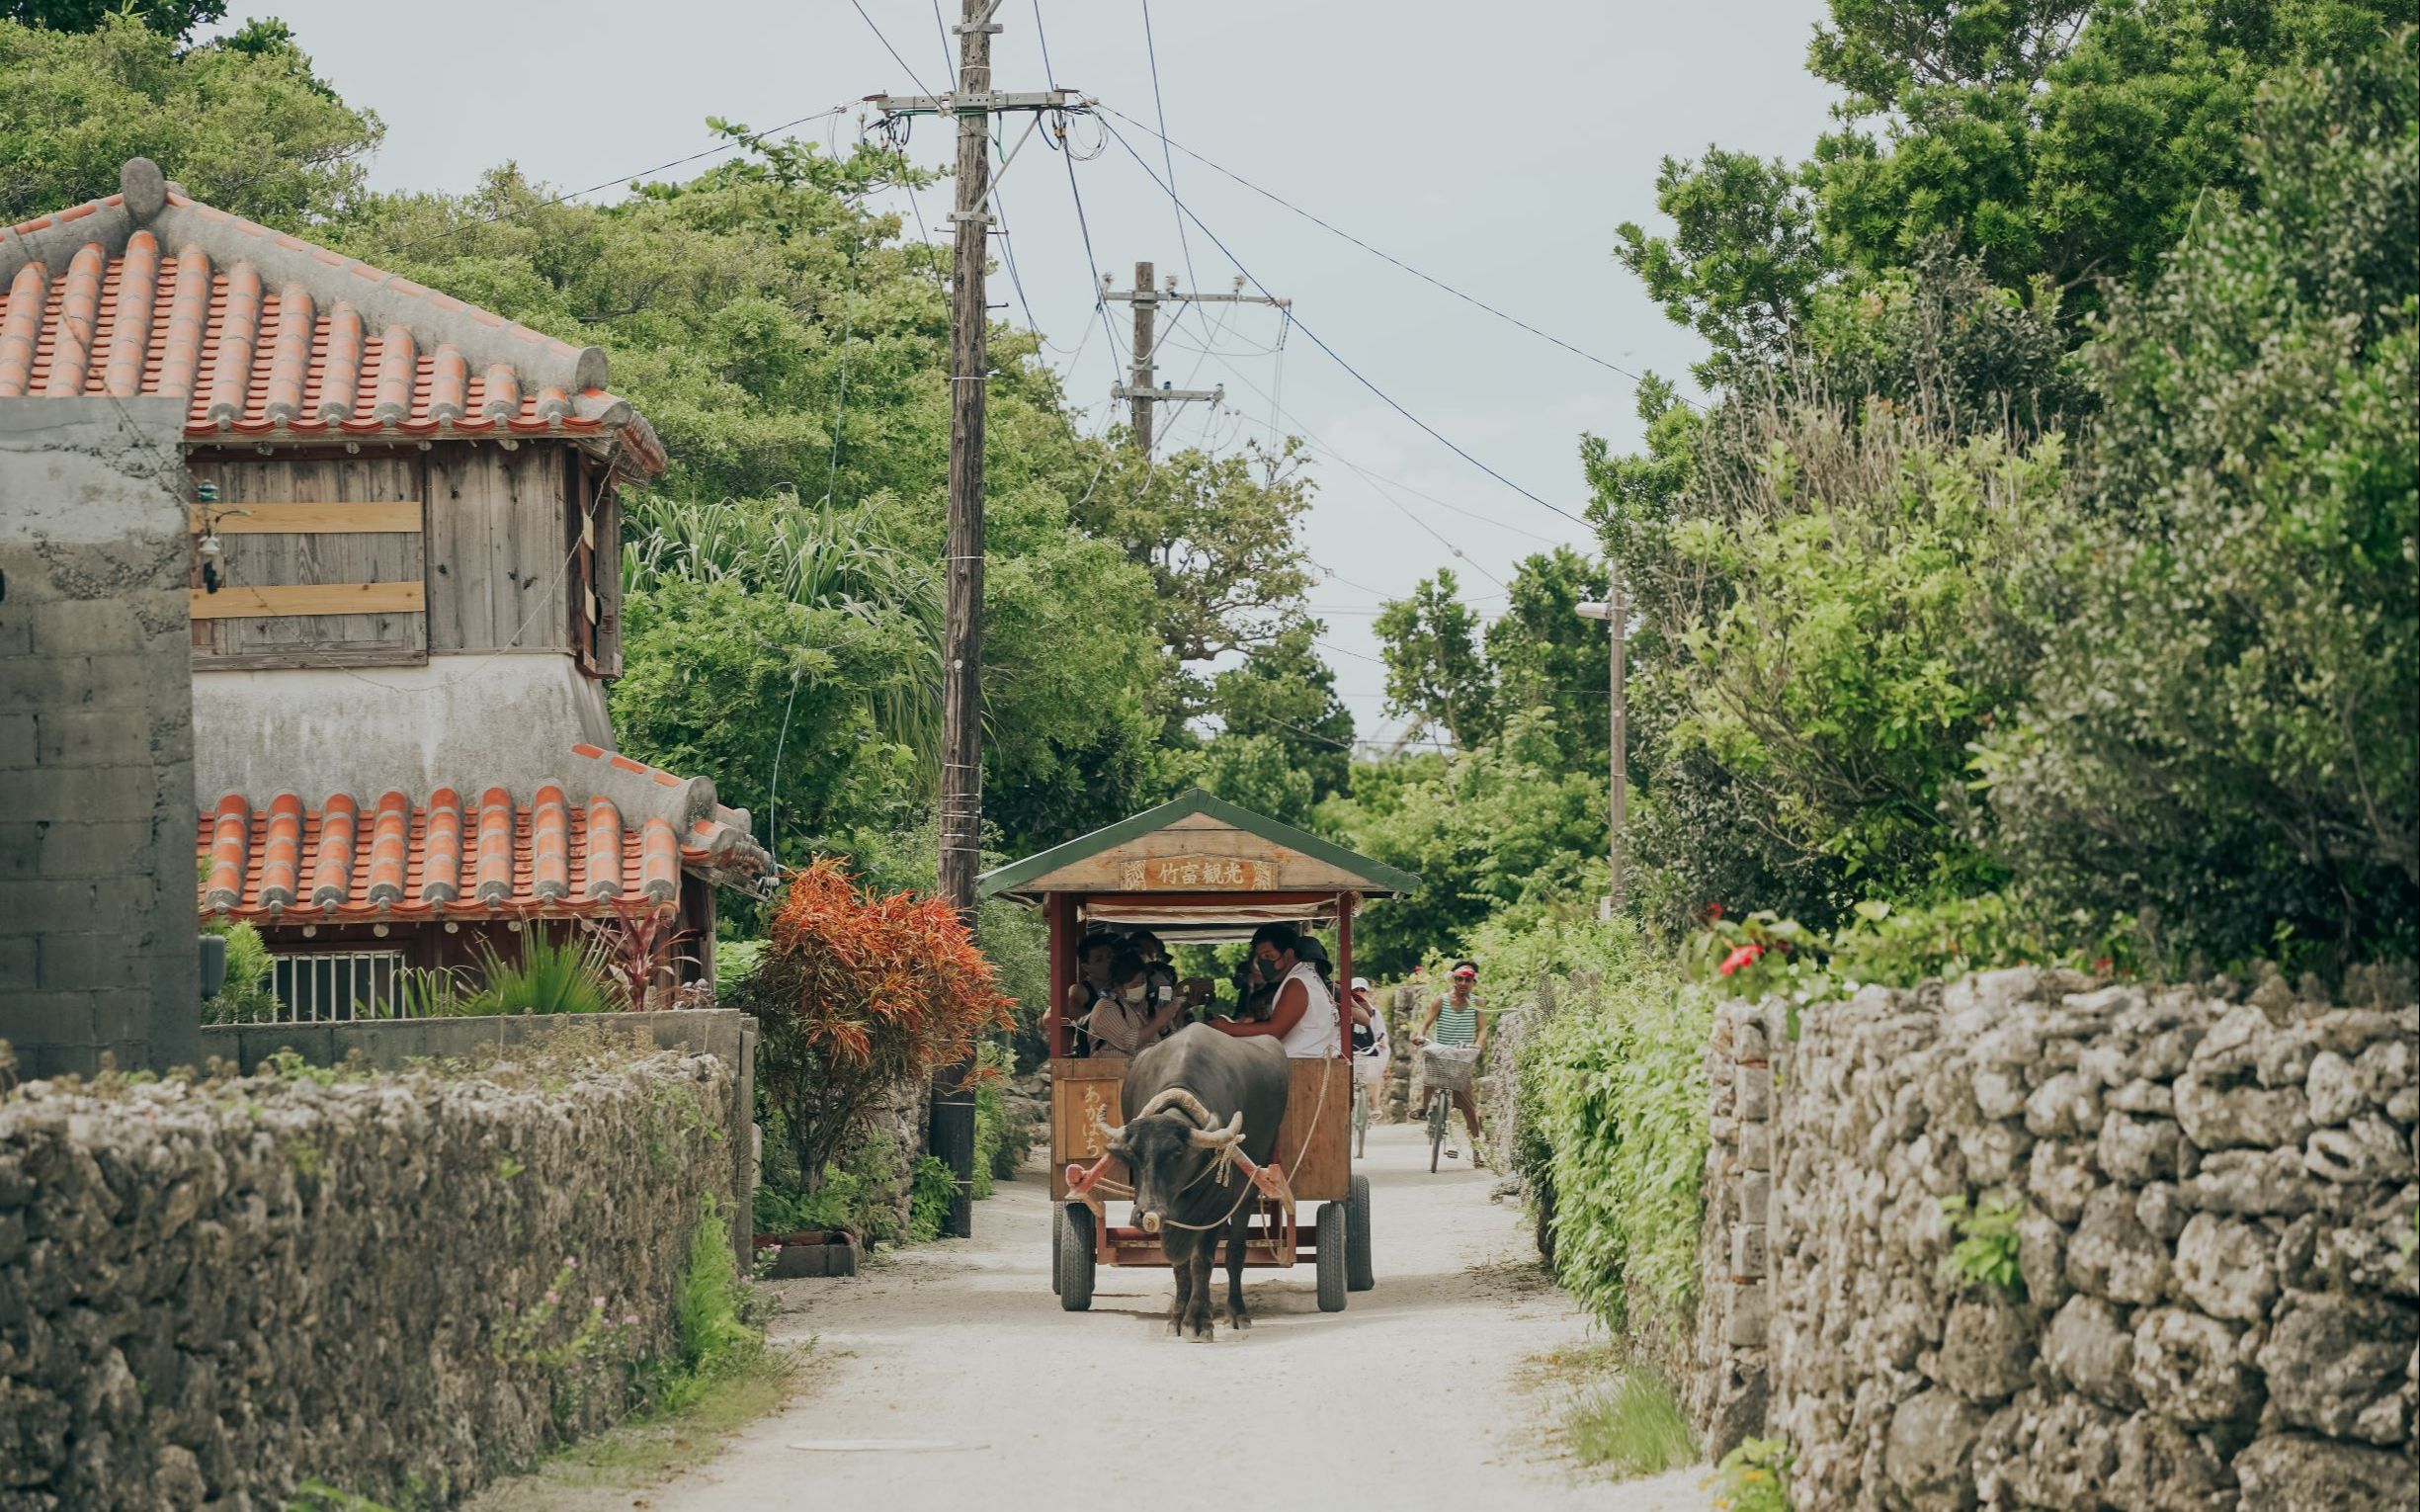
(1199, 869)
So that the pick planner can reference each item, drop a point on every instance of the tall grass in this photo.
(1634, 1426)
(821, 555)
(570, 974)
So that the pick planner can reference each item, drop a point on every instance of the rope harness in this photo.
(1084, 1182)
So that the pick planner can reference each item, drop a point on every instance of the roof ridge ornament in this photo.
(145, 189)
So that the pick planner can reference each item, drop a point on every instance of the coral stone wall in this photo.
(212, 1292)
(2216, 1189)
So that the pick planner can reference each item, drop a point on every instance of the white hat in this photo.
(1361, 983)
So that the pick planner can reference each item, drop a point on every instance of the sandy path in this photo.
(1406, 1399)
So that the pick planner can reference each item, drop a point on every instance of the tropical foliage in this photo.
(856, 993)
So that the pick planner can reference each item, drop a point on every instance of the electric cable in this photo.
(1151, 51)
(1426, 277)
(1336, 357)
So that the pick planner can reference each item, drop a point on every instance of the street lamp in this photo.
(1614, 614)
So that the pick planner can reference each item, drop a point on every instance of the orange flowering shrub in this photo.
(856, 993)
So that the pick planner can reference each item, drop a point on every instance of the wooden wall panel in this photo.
(497, 548)
(257, 556)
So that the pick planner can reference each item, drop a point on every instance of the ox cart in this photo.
(1202, 871)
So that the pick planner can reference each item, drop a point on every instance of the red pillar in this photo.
(1343, 964)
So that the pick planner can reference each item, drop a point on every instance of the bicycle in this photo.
(1444, 1069)
(1360, 1117)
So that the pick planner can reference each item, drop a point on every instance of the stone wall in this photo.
(213, 1291)
(98, 951)
(2214, 1196)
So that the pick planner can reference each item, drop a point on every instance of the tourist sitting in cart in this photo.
(1091, 985)
(1139, 1010)
(1302, 1016)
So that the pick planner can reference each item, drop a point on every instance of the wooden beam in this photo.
(241, 602)
(381, 515)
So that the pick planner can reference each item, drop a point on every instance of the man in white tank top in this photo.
(1303, 1019)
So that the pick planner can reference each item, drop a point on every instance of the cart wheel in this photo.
(1331, 1241)
(1058, 1243)
(1359, 1277)
(1073, 1263)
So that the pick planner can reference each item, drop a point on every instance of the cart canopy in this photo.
(1200, 867)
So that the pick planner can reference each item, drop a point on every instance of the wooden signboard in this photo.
(1198, 873)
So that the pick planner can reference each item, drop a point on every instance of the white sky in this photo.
(1494, 147)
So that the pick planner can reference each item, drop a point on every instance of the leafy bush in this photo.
(928, 1198)
(1986, 1248)
(1754, 1478)
(857, 993)
(1620, 1103)
(244, 999)
(709, 1313)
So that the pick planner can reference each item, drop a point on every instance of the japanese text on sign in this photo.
(1199, 873)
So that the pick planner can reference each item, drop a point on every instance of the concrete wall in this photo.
(2211, 1199)
(262, 732)
(97, 938)
(211, 1291)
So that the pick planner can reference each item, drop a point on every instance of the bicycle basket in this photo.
(1449, 1067)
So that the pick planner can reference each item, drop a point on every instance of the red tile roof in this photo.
(269, 338)
(452, 855)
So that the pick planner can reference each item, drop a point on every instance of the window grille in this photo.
(337, 985)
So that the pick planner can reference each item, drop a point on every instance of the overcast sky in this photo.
(1494, 147)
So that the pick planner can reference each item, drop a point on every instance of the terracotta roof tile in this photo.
(264, 335)
(401, 859)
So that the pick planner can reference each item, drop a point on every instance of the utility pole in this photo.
(1614, 611)
(962, 758)
(1147, 297)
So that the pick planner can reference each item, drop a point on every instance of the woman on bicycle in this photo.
(1454, 1020)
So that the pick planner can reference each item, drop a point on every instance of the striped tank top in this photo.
(1456, 1026)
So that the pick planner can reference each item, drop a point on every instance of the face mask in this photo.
(1135, 996)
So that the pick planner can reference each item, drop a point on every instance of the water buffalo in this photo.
(1185, 1100)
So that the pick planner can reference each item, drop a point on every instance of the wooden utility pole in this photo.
(1614, 611)
(1146, 297)
(973, 104)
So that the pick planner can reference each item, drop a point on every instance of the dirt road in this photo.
(965, 1387)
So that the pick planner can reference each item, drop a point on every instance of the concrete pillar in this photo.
(98, 951)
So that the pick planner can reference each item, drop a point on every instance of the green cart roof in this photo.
(1197, 835)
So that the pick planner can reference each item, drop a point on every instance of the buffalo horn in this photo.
(1219, 1139)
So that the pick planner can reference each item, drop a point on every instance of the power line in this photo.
(1376, 479)
(1335, 230)
(1334, 356)
(1059, 143)
(1160, 107)
(888, 48)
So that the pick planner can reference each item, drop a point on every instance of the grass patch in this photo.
(1632, 1425)
(650, 1450)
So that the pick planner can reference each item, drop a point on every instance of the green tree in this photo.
(1543, 654)
(1436, 668)
(792, 352)
(1507, 830)
(175, 19)
(244, 124)
(2059, 141)
(1285, 742)
(2222, 727)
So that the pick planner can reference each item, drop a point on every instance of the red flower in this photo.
(1746, 955)
(1713, 910)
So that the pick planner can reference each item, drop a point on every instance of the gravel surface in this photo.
(949, 1378)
